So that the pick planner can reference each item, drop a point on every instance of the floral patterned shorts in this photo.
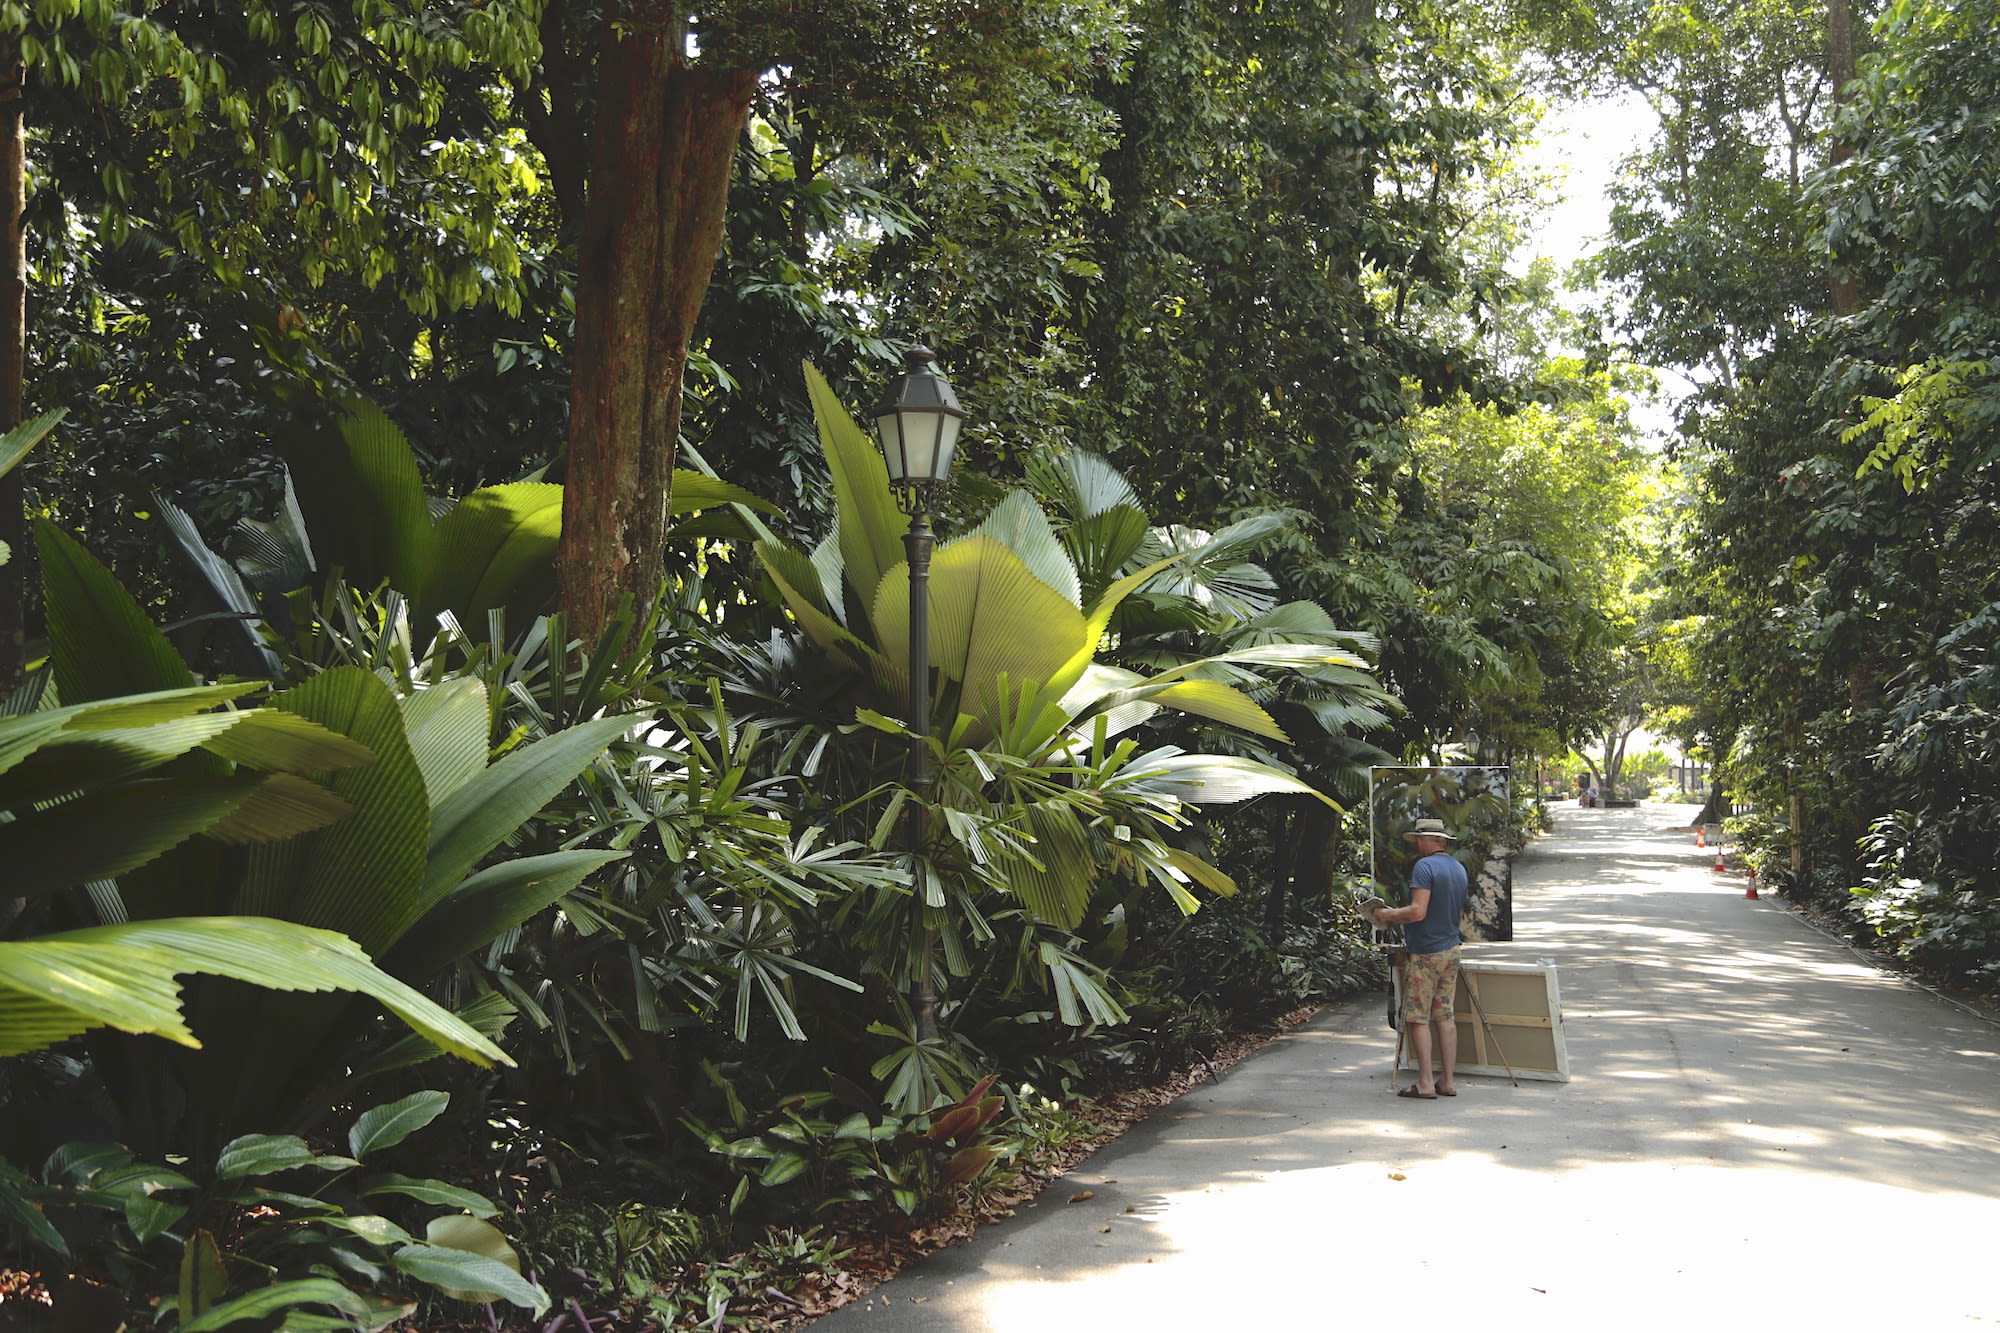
(1429, 982)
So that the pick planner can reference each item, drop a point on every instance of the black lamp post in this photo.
(919, 429)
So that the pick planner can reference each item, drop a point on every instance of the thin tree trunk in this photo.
(661, 155)
(13, 357)
(1840, 70)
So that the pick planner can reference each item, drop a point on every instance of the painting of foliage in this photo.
(1474, 805)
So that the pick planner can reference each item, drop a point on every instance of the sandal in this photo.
(1447, 1092)
(1411, 1091)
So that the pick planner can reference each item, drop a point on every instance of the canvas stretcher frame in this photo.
(1523, 1004)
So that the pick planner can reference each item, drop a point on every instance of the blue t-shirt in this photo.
(1445, 878)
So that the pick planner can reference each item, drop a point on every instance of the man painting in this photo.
(1430, 977)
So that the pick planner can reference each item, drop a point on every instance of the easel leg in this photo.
(1396, 1006)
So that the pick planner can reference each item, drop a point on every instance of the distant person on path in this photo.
(1430, 977)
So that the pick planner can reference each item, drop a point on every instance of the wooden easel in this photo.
(1399, 959)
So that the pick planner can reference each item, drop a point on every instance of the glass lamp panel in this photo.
(920, 445)
(889, 426)
(948, 425)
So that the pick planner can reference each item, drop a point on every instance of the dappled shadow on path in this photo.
(1735, 1075)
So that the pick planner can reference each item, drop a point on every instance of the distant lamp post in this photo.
(918, 426)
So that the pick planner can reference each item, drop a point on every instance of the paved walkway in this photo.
(1762, 1130)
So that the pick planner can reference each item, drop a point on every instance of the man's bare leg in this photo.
(1447, 1037)
(1420, 1046)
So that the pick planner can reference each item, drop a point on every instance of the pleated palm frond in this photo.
(125, 976)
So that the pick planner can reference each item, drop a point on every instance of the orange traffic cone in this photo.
(1750, 885)
(1719, 867)
(1701, 837)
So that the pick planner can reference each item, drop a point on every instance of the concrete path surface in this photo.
(1762, 1131)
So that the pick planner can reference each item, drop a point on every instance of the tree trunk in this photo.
(1288, 829)
(1846, 294)
(661, 154)
(13, 358)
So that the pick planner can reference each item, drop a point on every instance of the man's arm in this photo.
(1420, 905)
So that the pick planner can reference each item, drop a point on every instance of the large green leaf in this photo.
(696, 491)
(1204, 698)
(1019, 524)
(272, 739)
(496, 548)
(494, 900)
(871, 526)
(103, 834)
(1056, 885)
(281, 805)
(23, 736)
(16, 443)
(447, 732)
(223, 578)
(990, 616)
(1099, 620)
(363, 498)
(100, 641)
(798, 582)
(472, 820)
(76, 759)
(123, 976)
(469, 1259)
(386, 1126)
(290, 1295)
(361, 876)
(430, 1191)
(1215, 779)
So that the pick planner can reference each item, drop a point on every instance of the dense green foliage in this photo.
(1273, 470)
(1830, 626)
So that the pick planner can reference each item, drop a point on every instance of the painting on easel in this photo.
(1473, 803)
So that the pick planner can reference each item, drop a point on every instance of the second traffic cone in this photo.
(1719, 867)
(1750, 885)
(1701, 837)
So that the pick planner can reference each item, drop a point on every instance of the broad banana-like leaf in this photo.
(123, 976)
(496, 548)
(446, 725)
(472, 820)
(16, 443)
(990, 616)
(1215, 779)
(495, 900)
(361, 876)
(101, 642)
(871, 526)
(1019, 524)
(363, 498)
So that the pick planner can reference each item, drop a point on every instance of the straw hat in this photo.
(1428, 828)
